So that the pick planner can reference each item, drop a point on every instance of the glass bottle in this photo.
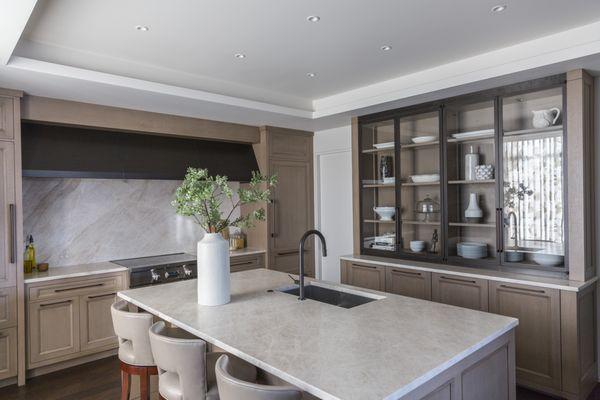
(29, 258)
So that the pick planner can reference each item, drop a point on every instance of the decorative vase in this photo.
(213, 270)
(471, 161)
(473, 213)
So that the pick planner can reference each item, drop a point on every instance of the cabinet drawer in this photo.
(8, 307)
(406, 282)
(76, 287)
(244, 263)
(8, 353)
(366, 276)
(460, 291)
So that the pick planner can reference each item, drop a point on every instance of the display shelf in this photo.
(379, 185)
(534, 133)
(472, 224)
(420, 223)
(375, 151)
(477, 182)
(420, 183)
(378, 221)
(418, 145)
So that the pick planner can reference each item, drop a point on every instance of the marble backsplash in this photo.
(80, 221)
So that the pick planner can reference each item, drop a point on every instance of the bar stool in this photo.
(135, 353)
(234, 387)
(185, 369)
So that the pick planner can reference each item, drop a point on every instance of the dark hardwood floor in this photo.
(100, 380)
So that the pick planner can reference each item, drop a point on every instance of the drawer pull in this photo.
(287, 253)
(395, 271)
(242, 263)
(56, 304)
(78, 287)
(102, 295)
(458, 280)
(364, 266)
(523, 289)
(13, 235)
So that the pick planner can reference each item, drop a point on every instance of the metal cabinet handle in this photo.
(364, 266)
(55, 304)
(274, 223)
(242, 263)
(396, 271)
(78, 287)
(523, 289)
(458, 280)
(287, 253)
(13, 229)
(102, 295)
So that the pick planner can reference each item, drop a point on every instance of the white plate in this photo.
(386, 145)
(424, 139)
(425, 178)
(482, 132)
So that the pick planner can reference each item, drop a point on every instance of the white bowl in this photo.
(424, 139)
(385, 213)
(417, 245)
(385, 145)
(425, 178)
(547, 260)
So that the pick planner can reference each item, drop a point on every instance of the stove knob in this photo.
(187, 272)
(171, 274)
(154, 276)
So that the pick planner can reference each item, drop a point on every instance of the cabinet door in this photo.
(538, 333)
(7, 125)
(53, 329)
(8, 267)
(409, 283)
(289, 146)
(96, 326)
(8, 353)
(366, 276)
(460, 291)
(291, 216)
(8, 307)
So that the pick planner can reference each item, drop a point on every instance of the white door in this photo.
(334, 208)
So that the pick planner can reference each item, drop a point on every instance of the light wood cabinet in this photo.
(287, 144)
(8, 307)
(247, 262)
(538, 341)
(7, 127)
(53, 329)
(460, 291)
(96, 328)
(409, 283)
(8, 353)
(364, 276)
(8, 244)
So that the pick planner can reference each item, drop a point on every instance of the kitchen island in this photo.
(392, 348)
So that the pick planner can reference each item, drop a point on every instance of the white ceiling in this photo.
(188, 52)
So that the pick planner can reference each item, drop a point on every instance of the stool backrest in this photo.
(231, 388)
(132, 330)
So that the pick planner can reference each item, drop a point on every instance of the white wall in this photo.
(333, 198)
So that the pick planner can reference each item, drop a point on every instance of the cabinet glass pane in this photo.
(420, 184)
(533, 195)
(378, 185)
(471, 166)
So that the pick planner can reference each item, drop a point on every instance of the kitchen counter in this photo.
(472, 272)
(385, 349)
(245, 252)
(73, 271)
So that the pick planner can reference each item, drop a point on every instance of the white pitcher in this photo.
(545, 118)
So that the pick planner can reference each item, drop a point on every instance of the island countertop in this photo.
(380, 350)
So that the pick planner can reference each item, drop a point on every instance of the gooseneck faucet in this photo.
(302, 240)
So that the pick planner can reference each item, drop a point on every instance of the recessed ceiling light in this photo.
(142, 28)
(313, 18)
(240, 55)
(386, 48)
(311, 74)
(499, 8)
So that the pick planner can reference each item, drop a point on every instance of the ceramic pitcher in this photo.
(545, 118)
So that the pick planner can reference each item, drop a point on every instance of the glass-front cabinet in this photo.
(475, 180)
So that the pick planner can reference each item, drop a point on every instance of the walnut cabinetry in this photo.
(247, 262)
(70, 317)
(460, 291)
(364, 276)
(409, 283)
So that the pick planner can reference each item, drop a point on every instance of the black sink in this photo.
(329, 296)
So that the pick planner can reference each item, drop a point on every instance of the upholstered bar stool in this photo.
(234, 387)
(135, 353)
(185, 369)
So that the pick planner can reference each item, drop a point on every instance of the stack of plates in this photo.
(471, 249)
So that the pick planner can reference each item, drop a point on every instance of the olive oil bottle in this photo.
(29, 258)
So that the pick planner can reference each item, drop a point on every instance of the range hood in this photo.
(74, 152)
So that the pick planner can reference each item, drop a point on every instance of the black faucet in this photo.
(302, 240)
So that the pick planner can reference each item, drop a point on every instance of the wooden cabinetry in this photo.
(70, 318)
(364, 276)
(7, 120)
(409, 283)
(8, 353)
(247, 262)
(8, 307)
(8, 239)
(460, 291)
(538, 344)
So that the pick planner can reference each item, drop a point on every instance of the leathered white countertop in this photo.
(379, 350)
(483, 273)
(73, 271)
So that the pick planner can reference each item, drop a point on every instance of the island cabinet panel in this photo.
(443, 393)
(460, 291)
(7, 130)
(409, 283)
(365, 276)
(54, 329)
(96, 328)
(8, 353)
(538, 342)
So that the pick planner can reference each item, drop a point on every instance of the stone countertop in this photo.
(73, 271)
(476, 272)
(245, 252)
(382, 349)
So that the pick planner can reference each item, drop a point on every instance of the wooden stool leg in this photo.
(144, 383)
(125, 385)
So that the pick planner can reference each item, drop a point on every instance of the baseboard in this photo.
(8, 382)
(70, 363)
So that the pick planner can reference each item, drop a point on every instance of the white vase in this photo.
(473, 213)
(213, 270)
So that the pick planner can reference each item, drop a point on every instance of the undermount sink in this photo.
(330, 296)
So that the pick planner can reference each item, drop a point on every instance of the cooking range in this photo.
(159, 269)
